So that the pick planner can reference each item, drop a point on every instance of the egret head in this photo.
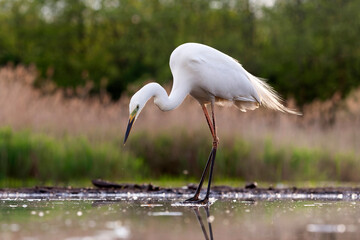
(137, 103)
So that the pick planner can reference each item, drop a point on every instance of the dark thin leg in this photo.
(210, 176)
(209, 223)
(197, 213)
(211, 158)
(197, 193)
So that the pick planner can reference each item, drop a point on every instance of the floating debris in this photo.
(326, 228)
(251, 185)
(151, 205)
(210, 219)
(14, 227)
(166, 213)
(194, 204)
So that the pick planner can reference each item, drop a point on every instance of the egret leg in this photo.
(209, 222)
(195, 198)
(198, 189)
(206, 199)
(211, 158)
(212, 130)
(215, 145)
(198, 216)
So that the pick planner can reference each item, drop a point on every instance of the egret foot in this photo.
(196, 200)
(192, 199)
(204, 201)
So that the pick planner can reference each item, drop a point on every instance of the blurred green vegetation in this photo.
(307, 49)
(26, 155)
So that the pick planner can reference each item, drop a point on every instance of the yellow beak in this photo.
(129, 126)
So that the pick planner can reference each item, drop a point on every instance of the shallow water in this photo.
(149, 218)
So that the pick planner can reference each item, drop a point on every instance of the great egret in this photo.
(211, 77)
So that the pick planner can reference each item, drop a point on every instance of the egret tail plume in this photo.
(268, 96)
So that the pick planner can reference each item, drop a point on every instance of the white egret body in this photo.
(211, 77)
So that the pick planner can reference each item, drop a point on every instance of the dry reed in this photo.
(333, 125)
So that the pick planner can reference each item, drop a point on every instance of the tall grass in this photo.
(47, 133)
(25, 155)
(237, 158)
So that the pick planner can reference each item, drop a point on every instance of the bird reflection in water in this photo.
(208, 235)
(209, 219)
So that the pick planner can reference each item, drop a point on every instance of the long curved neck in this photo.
(161, 99)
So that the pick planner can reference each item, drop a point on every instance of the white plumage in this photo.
(210, 74)
(211, 77)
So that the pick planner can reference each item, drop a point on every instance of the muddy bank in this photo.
(250, 191)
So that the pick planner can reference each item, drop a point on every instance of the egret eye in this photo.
(137, 107)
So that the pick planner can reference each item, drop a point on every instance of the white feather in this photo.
(268, 96)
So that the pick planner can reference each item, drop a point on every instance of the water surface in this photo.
(147, 218)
